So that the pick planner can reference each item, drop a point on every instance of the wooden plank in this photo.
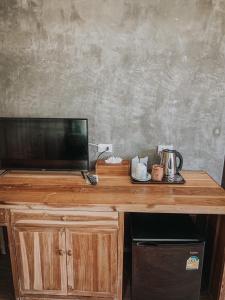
(222, 284)
(79, 218)
(200, 194)
(13, 258)
(217, 287)
(120, 256)
(67, 297)
(193, 178)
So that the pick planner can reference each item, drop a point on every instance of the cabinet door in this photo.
(41, 259)
(92, 262)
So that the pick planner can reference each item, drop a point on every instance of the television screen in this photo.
(37, 143)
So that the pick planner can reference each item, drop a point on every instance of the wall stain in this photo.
(94, 52)
(75, 17)
(7, 5)
(132, 12)
(11, 65)
(127, 60)
(9, 11)
(62, 14)
(13, 11)
(204, 5)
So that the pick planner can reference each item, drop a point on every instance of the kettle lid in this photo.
(169, 150)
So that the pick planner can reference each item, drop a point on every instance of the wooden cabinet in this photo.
(92, 262)
(41, 260)
(67, 255)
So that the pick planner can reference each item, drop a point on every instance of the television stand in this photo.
(38, 173)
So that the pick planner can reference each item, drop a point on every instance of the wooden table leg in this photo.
(120, 255)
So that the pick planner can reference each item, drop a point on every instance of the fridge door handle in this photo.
(146, 243)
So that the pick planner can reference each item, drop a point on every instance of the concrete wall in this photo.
(143, 71)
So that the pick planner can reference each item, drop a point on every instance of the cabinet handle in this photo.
(69, 252)
(61, 252)
(64, 218)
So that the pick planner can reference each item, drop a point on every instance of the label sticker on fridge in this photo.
(193, 263)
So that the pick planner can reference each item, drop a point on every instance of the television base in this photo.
(24, 173)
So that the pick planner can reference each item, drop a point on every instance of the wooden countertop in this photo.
(200, 193)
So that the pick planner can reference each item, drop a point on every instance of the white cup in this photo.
(141, 171)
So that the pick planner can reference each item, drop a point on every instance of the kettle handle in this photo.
(179, 168)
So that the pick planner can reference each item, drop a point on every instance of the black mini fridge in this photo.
(167, 258)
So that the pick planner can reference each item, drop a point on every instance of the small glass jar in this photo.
(157, 172)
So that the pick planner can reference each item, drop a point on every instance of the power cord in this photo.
(100, 154)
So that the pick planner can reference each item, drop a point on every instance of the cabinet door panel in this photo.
(92, 262)
(2, 216)
(41, 260)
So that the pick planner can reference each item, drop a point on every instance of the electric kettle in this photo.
(169, 162)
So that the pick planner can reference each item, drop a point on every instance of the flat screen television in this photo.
(44, 143)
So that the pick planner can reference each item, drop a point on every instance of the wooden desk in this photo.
(59, 226)
(200, 194)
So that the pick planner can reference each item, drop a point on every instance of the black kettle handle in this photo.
(179, 168)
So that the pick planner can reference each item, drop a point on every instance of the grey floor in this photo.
(6, 285)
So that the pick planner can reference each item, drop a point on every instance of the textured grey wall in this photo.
(143, 71)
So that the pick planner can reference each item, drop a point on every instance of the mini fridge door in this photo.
(167, 271)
